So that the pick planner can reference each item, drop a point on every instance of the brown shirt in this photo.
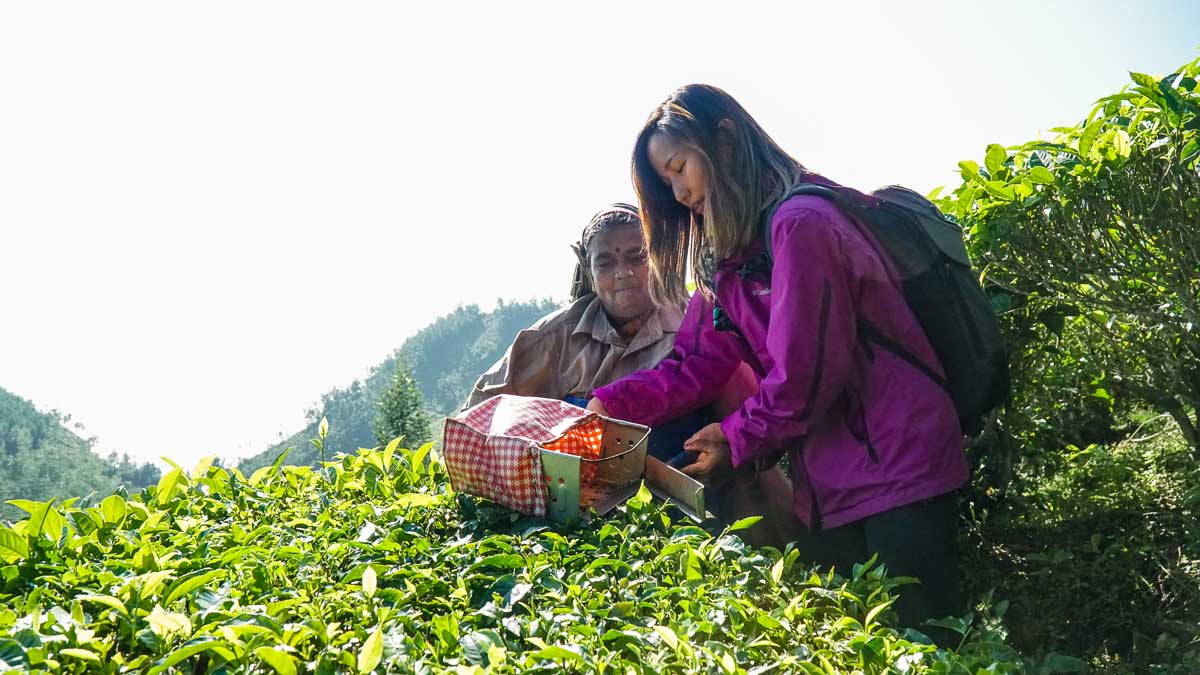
(575, 350)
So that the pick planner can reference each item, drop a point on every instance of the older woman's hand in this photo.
(714, 463)
(597, 406)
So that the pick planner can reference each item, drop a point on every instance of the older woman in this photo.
(610, 329)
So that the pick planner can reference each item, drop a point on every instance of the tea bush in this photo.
(1090, 246)
(370, 563)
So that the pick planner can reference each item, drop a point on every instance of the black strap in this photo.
(868, 332)
(801, 189)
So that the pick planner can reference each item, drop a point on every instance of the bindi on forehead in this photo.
(621, 240)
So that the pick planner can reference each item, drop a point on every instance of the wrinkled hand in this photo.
(597, 406)
(714, 460)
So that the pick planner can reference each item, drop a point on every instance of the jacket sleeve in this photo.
(528, 368)
(691, 377)
(810, 337)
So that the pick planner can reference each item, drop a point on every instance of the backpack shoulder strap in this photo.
(813, 189)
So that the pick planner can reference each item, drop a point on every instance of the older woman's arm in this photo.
(528, 368)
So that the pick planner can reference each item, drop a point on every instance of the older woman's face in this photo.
(619, 272)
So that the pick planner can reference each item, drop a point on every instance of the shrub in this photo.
(370, 563)
(1090, 244)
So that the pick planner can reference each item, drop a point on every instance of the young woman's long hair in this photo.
(615, 215)
(747, 174)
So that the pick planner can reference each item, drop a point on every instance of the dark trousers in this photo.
(917, 540)
(666, 439)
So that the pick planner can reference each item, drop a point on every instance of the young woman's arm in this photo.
(691, 377)
(810, 337)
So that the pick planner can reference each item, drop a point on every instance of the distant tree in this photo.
(400, 411)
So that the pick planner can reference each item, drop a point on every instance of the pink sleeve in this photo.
(691, 377)
(810, 337)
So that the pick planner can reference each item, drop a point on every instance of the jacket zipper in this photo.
(872, 453)
(812, 490)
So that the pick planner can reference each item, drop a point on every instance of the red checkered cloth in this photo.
(494, 449)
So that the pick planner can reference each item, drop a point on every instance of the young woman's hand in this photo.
(714, 461)
(597, 406)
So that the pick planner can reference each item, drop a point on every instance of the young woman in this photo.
(874, 444)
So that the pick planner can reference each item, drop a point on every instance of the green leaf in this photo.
(282, 662)
(412, 499)
(997, 188)
(323, 428)
(692, 570)
(767, 621)
(150, 581)
(996, 154)
(279, 460)
(1040, 174)
(113, 510)
(956, 624)
(1121, 143)
(1190, 151)
(970, 170)
(559, 653)
(501, 561)
(190, 648)
(12, 654)
(371, 652)
(640, 500)
(203, 465)
(164, 623)
(475, 645)
(43, 519)
(12, 545)
(191, 582)
(106, 600)
(1088, 137)
(369, 582)
(743, 524)
(167, 485)
(874, 613)
(83, 654)
(777, 570)
(668, 636)
(965, 200)
(1061, 663)
(26, 505)
(1144, 80)
(393, 444)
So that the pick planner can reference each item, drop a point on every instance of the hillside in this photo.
(444, 358)
(41, 458)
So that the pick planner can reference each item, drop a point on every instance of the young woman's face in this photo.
(681, 168)
(619, 272)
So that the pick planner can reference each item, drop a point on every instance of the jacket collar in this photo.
(594, 322)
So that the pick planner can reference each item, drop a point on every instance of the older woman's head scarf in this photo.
(612, 216)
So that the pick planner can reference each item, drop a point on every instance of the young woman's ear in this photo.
(726, 139)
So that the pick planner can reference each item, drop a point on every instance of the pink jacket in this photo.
(866, 431)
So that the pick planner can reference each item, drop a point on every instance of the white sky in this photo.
(211, 213)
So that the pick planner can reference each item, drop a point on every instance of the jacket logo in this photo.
(761, 291)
